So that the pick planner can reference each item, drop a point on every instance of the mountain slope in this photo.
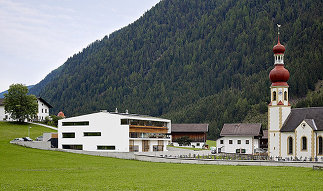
(192, 61)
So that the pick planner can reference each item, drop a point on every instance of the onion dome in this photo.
(61, 114)
(279, 48)
(279, 75)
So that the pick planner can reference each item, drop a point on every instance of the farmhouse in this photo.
(195, 132)
(116, 132)
(239, 138)
(43, 110)
(291, 132)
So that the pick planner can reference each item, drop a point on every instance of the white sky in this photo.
(37, 36)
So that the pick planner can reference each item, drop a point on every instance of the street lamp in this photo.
(28, 131)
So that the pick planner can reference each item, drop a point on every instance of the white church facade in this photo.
(292, 133)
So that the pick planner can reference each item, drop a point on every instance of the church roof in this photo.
(313, 116)
(190, 127)
(241, 129)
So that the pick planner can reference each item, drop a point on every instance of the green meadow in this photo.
(31, 169)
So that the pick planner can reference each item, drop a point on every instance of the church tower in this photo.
(279, 107)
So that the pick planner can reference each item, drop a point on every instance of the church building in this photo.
(292, 133)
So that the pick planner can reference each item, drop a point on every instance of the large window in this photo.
(75, 147)
(143, 122)
(106, 147)
(274, 96)
(247, 142)
(230, 141)
(239, 142)
(290, 145)
(68, 135)
(285, 95)
(320, 145)
(77, 123)
(92, 134)
(221, 142)
(304, 143)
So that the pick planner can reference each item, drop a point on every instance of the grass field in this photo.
(31, 169)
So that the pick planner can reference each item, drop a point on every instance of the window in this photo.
(75, 147)
(274, 96)
(304, 143)
(221, 142)
(68, 135)
(158, 147)
(290, 145)
(92, 133)
(243, 150)
(198, 144)
(237, 150)
(124, 122)
(285, 95)
(230, 141)
(320, 145)
(106, 147)
(45, 110)
(239, 142)
(42, 110)
(78, 123)
(247, 142)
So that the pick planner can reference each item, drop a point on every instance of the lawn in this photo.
(31, 169)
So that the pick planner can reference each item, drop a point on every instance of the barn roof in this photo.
(241, 129)
(190, 127)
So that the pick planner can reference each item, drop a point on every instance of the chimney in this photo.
(127, 112)
(116, 110)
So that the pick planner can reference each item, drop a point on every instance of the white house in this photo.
(116, 132)
(239, 138)
(291, 132)
(43, 110)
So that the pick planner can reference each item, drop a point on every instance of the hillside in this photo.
(193, 61)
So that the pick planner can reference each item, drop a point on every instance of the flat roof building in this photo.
(114, 132)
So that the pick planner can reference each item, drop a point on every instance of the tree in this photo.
(20, 105)
(184, 141)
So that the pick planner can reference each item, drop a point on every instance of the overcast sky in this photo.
(37, 36)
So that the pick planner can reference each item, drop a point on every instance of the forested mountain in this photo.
(193, 61)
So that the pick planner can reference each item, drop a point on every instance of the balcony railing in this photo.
(149, 135)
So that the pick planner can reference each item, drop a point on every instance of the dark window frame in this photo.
(91, 134)
(68, 135)
(106, 147)
(76, 123)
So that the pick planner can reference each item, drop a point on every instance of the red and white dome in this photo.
(278, 48)
(279, 75)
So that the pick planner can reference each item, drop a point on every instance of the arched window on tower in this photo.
(320, 146)
(304, 143)
(274, 96)
(285, 95)
(290, 145)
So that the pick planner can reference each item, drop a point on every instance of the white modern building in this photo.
(114, 132)
(43, 110)
(292, 133)
(241, 138)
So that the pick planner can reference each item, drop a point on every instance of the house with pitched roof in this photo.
(43, 110)
(194, 131)
(241, 138)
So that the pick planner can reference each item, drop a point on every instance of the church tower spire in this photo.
(279, 107)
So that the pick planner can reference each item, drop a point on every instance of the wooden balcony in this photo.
(147, 129)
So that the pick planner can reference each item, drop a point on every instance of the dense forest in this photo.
(193, 61)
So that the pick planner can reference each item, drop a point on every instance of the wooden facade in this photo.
(194, 136)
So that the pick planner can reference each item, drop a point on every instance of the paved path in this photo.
(44, 125)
